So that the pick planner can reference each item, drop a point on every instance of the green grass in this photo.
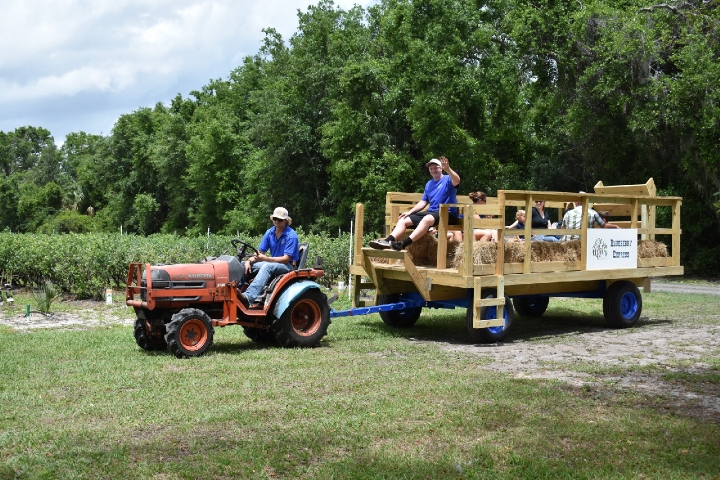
(370, 402)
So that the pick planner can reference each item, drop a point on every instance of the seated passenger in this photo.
(282, 242)
(573, 220)
(482, 234)
(440, 189)
(541, 219)
(519, 224)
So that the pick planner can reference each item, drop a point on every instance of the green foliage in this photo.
(44, 296)
(85, 265)
(67, 221)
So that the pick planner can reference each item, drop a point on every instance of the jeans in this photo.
(545, 238)
(266, 271)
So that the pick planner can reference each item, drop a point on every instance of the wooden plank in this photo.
(371, 252)
(546, 288)
(417, 278)
(655, 262)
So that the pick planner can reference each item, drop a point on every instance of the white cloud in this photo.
(124, 52)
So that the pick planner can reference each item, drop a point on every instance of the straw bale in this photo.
(651, 249)
(423, 251)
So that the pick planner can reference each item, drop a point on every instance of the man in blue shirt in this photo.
(440, 189)
(282, 242)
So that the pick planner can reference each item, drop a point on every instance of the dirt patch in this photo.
(581, 359)
(79, 314)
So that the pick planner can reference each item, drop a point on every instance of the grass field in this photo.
(371, 402)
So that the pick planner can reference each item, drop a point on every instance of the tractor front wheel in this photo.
(145, 340)
(189, 333)
(304, 322)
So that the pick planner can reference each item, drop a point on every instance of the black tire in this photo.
(491, 334)
(189, 333)
(398, 318)
(305, 321)
(146, 341)
(531, 306)
(260, 335)
(622, 304)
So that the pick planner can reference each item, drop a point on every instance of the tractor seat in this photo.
(303, 249)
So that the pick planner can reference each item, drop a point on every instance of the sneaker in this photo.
(396, 246)
(379, 244)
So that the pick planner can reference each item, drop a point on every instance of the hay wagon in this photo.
(608, 264)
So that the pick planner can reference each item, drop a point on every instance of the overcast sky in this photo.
(77, 65)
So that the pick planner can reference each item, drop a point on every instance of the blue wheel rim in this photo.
(628, 305)
(491, 312)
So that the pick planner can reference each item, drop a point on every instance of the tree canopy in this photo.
(547, 95)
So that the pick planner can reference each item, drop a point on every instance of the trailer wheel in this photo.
(259, 335)
(189, 333)
(305, 322)
(531, 306)
(490, 334)
(622, 304)
(398, 318)
(145, 340)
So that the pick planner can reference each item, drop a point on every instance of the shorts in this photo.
(416, 218)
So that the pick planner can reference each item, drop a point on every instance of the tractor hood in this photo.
(212, 273)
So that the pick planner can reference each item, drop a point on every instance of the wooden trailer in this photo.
(603, 263)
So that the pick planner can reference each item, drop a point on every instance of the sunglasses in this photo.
(275, 219)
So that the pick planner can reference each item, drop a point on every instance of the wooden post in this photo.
(528, 239)
(500, 262)
(358, 235)
(468, 264)
(583, 237)
(442, 236)
(676, 233)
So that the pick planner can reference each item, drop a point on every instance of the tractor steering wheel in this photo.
(243, 248)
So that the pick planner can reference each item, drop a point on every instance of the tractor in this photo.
(178, 306)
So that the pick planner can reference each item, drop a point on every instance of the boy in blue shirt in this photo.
(441, 189)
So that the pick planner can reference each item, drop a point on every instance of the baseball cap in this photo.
(434, 161)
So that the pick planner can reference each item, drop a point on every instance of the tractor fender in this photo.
(290, 294)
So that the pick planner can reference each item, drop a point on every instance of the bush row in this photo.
(85, 265)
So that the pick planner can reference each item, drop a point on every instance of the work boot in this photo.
(244, 300)
(380, 244)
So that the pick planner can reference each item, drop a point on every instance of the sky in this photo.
(77, 65)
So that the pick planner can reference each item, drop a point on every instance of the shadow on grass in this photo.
(448, 326)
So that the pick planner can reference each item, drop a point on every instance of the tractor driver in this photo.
(282, 242)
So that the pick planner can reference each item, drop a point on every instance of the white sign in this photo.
(611, 248)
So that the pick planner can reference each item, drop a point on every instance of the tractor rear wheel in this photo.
(304, 322)
(189, 333)
(145, 340)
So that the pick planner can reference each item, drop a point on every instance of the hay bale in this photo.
(571, 251)
(651, 249)
(423, 251)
